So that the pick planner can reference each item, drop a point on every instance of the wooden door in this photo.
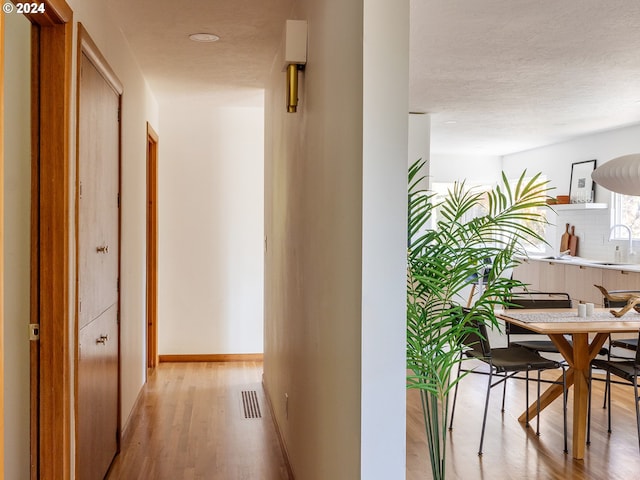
(98, 270)
(152, 247)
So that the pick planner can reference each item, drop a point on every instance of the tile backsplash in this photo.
(592, 226)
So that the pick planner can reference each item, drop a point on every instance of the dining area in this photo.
(517, 367)
(588, 336)
(512, 448)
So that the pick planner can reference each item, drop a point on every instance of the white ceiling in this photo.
(511, 74)
(231, 70)
(519, 74)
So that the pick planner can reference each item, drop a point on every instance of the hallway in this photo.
(190, 423)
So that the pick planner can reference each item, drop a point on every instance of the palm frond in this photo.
(442, 261)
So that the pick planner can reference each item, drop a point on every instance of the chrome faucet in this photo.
(628, 229)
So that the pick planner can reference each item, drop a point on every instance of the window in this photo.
(441, 191)
(533, 246)
(625, 210)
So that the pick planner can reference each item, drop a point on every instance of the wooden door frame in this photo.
(51, 47)
(2, 249)
(88, 48)
(152, 247)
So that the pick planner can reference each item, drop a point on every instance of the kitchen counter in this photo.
(586, 262)
(576, 276)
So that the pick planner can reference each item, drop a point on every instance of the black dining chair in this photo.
(627, 370)
(532, 300)
(624, 343)
(505, 362)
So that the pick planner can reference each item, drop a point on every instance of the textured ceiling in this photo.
(511, 74)
(229, 69)
(515, 75)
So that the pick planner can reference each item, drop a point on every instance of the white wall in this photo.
(476, 170)
(419, 137)
(554, 161)
(211, 237)
(313, 227)
(384, 238)
(16, 231)
(335, 207)
(138, 107)
(420, 143)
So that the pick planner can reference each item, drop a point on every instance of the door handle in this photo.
(102, 339)
(103, 249)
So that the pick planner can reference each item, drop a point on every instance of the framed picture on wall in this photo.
(582, 188)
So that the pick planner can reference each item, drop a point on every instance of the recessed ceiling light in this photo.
(204, 37)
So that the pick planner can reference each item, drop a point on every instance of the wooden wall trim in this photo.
(151, 133)
(152, 247)
(55, 374)
(2, 249)
(56, 12)
(87, 46)
(51, 90)
(213, 357)
(34, 293)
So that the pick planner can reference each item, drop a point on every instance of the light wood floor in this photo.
(512, 451)
(190, 424)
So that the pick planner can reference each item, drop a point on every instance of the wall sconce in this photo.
(292, 88)
(620, 175)
(295, 58)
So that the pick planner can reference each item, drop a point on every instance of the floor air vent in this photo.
(251, 404)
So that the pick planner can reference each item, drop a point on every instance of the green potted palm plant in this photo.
(445, 255)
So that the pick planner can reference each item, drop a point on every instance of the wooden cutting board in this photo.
(564, 240)
(573, 242)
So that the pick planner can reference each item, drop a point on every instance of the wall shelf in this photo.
(579, 206)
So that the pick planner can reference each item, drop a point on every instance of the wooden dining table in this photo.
(588, 336)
